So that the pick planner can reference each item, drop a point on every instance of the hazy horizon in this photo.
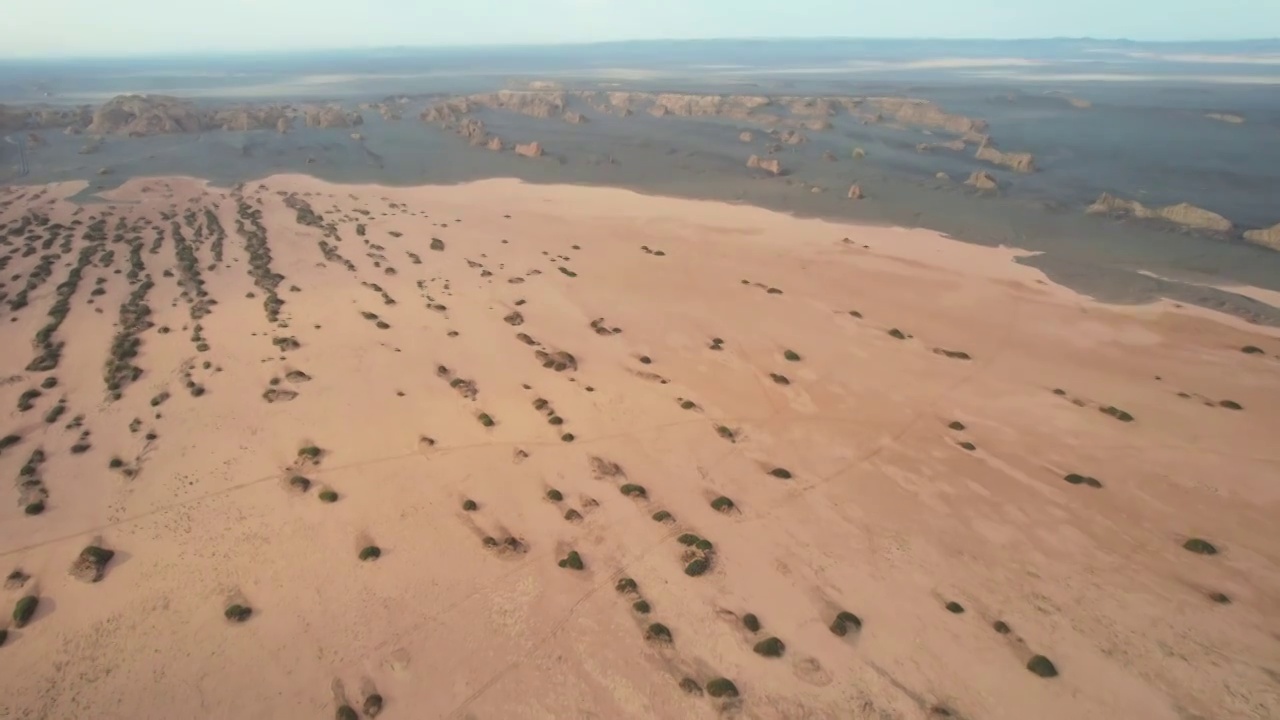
(138, 28)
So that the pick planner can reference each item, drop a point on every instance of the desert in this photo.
(503, 449)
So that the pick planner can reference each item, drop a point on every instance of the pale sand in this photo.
(886, 516)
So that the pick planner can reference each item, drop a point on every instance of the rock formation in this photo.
(143, 115)
(282, 125)
(44, 117)
(982, 180)
(1017, 161)
(771, 166)
(533, 149)
(331, 116)
(539, 104)
(244, 118)
(495, 144)
(1078, 103)
(474, 131)
(859, 153)
(942, 176)
(1266, 237)
(956, 145)
(1225, 117)
(746, 136)
(1182, 214)
(855, 192)
(574, 118)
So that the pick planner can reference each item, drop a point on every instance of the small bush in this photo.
(1252, 350)
(780, 379)
(1117, 413)
(485, 420)
(722, 688)
(115, 463)
(896, 333)
(555, 420)
(688, 539)
(1041, 665)
(658, 632)
(751, 622)
(645, 360)
(770, 647)
(1200, 547)
(572, 561)
(954, 607)
(567, 437)
(722, 504)
(572, 515)
(633, 490)
(300, 483)
(968, 446)
(625, 585)
(49, 383)
(725, 433)
(662, 516)
(1220, 598)
(237, 613)
(311, 452)
(704, 545)
(34, 508)
(688, 405)
(555, 495)
(956, 425)
(641, 606)
(328, 496)
(696, 567)
(781, 473)
(24, 610)
(844, 622)
(371, 552)
(690, 686)
(1230, 405)
(469, 505)
(791, 356)
(346, 712)
(9, 441)
(1001, 627)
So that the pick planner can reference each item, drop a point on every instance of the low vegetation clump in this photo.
(641, 607)
(237, 613)
(370, 552)
(1220, 598)
(373, 705)
(663, 516)
(91, 564)
(34, 508)
(633, 490)
(572, 561)
(9, 441)
(657, 632)
(1077, 479)
(555, 495)
(1001, 627)
(1230, 405)
(956, 425)
(688, 539)
(781, 473)
(346, 712)
(845, 622)
(780, 379)
(751, 622)
(1117, 413)
(567, 437)
(726, 433)
(770, 647)
(1199, 547)
(723, 504)
(968, 446)
(697, 566)
(310, 452)
(328, 496)
(24, 610)
(1252, 350)
(791, 356)
(625, 585)
(469, 505)
(25, 400)
(896, 333)
(688, 405)
(1042, 666)
(690, 686)
(954, 607)
(722, 688)
(572, 515)
(953, 354)
(300, 483)
(485, 420)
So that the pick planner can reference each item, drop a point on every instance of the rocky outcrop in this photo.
(942, 176)
(532, 150)
(494, 144)
(790, 137)
(539, 104)
(244, 118)
(331, 116)
(1078, 103)
(746, 136)
(1225, 117)
(447, 112)
(574, 118)
(911, 111)
(859, 153)
(474, 131)
(956, 145)
(44, 117)
(855, 192)
(282, 125)
(1022, 162)
(771, 166)
(1183, 214)
(144, 115)
(1266, 237)
(982, 180)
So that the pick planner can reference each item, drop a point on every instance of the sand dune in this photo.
(495, 383)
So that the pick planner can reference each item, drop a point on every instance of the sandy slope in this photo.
(886, 515)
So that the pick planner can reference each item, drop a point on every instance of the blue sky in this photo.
(129, 27)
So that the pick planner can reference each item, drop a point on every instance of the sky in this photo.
(95, 28)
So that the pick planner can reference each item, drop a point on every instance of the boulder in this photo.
(331, 116)
(282, 125)
(859, 153)
(1017, 161)
(746, 136)
(574, 118)
(1266, 237)
(771, 166)
(942, 176)
(982, 180)
(1225, 117)
(855, 192)
(1182, 214)
(533, 149)
(495, 144)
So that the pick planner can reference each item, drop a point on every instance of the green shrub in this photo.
(688, 539)
(572, 515)
(954, 607)
(662, 516)
(4, 635)
(844, 622)
(555, 495)
(34, 508)
(1252, 350)
(24, 610)
(572, 561)
(9, 441)
(115, 463)
(1220, 598)
(371, 552)
(470, 505)
(722, 687)
(373, 705)
(1040, 665)
(328, 496)
(956, 425)
(896, 333)
(781, 473)
(1001, 627)
(485, 420)
(237, 613)
(696, 567)
(770, 647)
(645, 360)
(49, 383)
(311, 452)
(968, 446)
(633, 490)
(567, 437)
(780, 379)
(1117, 413)
(658, 632)
(751, 622)
(791, 356)
(722, 504)
(300, 483)
(625, 585)
(555, 420)
(1230, 405)
(1200, 547)
(704, 545)
(688, 405)
(725, 433)
(345, 712)
(640, 606)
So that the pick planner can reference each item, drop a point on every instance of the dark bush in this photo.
(791, 356)
(722, 504)
(968, 446)
(345, 712)
(567, 437)
(1001, 627)
(371, 552)
(237, 613)
(1230, 404)
(696, 567)
(1200, 547)
(658, 632)
(24, 610)
(485, 420)
(572, 515)
(373, 705)
(770, 647)
(780, 379)
(34, 508)
(751, 622)
(1040, 665)
(722, 687)
(704, 545)
(662, 516)
(572, 561)
(690, 686)
(1252, 350)
(1117, 413)
(688, 405)
(1220, 598)
(625, 585)
(328, 496)
(954, 607)
(469, 505)
(633, 490)
(895, 332)
(688, 539)
(555, 495)
(311, 452)
(844, 622)
(781, 473)
(299, 482)
(641, 606)
(956, 425)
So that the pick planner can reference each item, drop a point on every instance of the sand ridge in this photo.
(496, 376)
